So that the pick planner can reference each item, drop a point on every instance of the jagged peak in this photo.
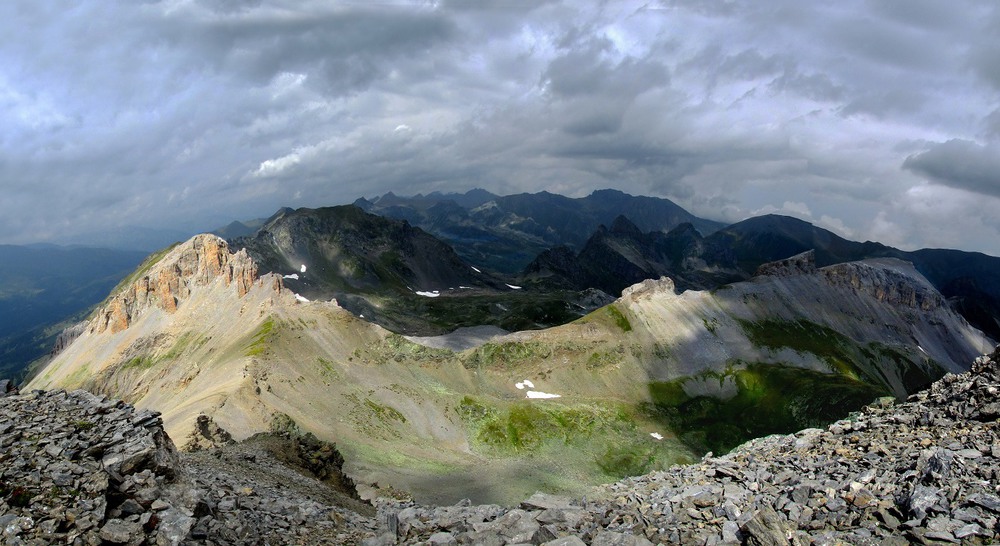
(165, 282)
(624, 226)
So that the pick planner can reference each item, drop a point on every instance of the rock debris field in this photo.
(80, 469)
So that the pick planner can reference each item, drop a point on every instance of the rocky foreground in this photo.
(78, 469)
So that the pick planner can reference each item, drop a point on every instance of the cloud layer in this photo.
(876, 120)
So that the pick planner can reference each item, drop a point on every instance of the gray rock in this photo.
(117, 531)
(543, 501)
(765, 529)
(442, 539)
(565, 541)
(610, 538)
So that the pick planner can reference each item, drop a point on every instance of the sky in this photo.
(879, 120)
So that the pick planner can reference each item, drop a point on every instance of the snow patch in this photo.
(656, 435)
(302, 269)
(539, 394)
(301, 298)
(474, 269)
(292, 276)
(512, 287)
(433, 294)
(526, 383)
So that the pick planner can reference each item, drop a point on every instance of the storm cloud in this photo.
(872, 118)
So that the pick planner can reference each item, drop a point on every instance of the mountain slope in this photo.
(200, 332)
(394, 274)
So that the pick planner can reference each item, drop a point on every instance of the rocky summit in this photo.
(81, 469)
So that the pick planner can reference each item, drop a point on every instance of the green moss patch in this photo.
(771, 399)
(261, 338)
(620, 320)
(507, 355)
(594, 441)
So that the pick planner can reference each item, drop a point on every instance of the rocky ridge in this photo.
(200, 261)
(88, 470)
(76, 468)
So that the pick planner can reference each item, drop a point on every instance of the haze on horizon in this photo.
(875, 119)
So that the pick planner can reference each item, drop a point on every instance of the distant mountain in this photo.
(246, 228)
(622, 255)
(396, 275)
(506, 233)
(44, 286)
(970, 280)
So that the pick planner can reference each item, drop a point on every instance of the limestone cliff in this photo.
(202, 260)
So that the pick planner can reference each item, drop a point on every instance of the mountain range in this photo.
(652, 379)
(610, 352)
(610, 240)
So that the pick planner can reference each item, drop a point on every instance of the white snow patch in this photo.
(474, 269)
(300, 298)
(433, 294)
(292, 276)
(921, 349)
(656, 435)
(512, 287)
(522, 384)
(465, 287)
(539, 394)
(361, 316)
(302, 269)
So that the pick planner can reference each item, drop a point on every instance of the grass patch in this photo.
(771, 399)
(139, 363)
(507, 355)
(398, 349)
(600, 439)
(603, 359)
(374, 419)
(261, 339)
(526, 426)
(631, 459)
(620, 319)
(803, 336)
(384, 413)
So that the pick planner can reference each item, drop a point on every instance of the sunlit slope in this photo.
(199, 332)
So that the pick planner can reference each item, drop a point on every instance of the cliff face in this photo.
(887, 280)
(200, 261)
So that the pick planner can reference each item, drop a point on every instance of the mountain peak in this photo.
(167, 278)
(624, 226)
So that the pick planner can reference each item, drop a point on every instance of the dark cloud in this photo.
(192, 113)
(960, 164)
